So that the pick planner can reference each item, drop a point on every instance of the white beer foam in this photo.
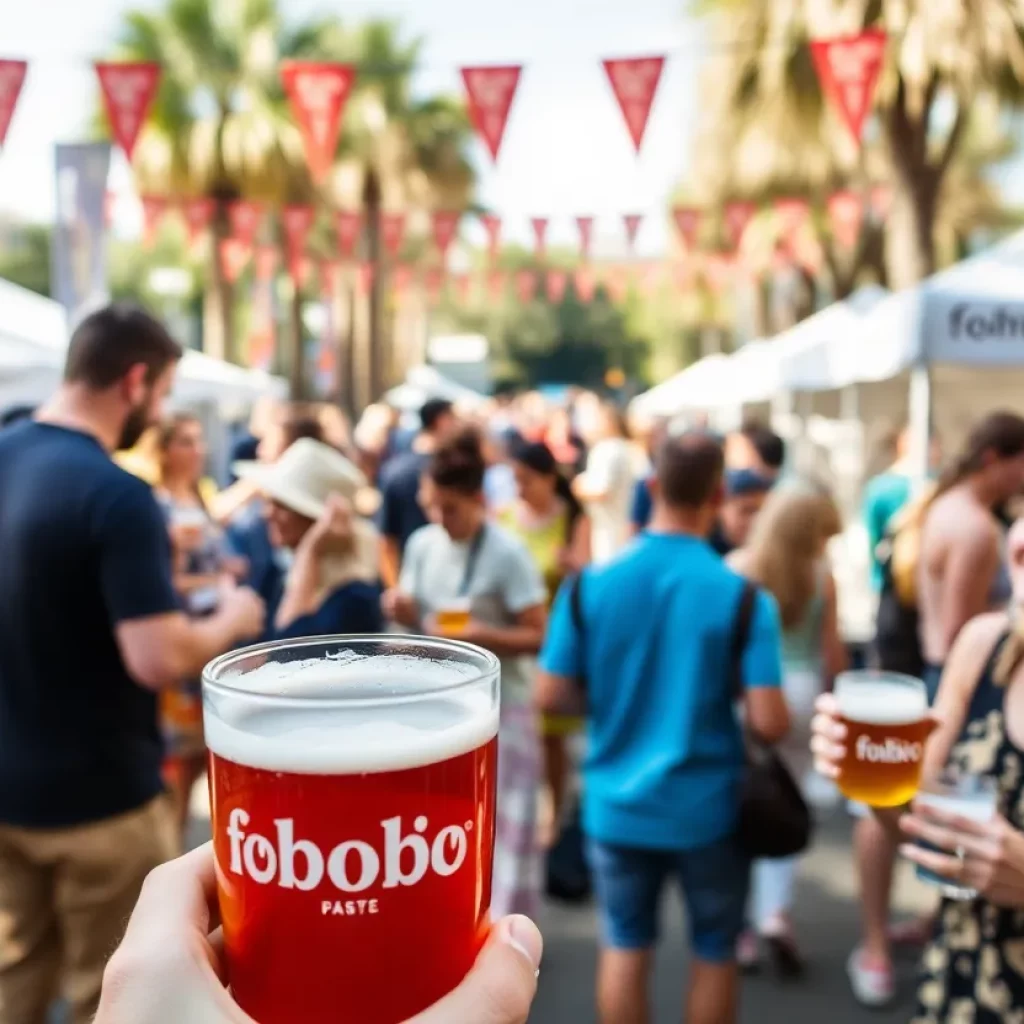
(881, 703)
(340, 740)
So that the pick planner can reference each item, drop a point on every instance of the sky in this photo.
(566, 150)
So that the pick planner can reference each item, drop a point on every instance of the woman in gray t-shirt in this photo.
(467, 578)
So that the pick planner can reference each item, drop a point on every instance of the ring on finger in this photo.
(961, 855)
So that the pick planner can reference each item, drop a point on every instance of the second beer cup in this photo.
(887, 722)
(353, 791)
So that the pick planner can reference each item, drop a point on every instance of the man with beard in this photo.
(91, 631)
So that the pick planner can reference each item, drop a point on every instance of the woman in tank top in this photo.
(549, 520)
(973, 969)
(786, 556)
(201, 558)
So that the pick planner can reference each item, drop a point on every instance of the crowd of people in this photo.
(605, 563)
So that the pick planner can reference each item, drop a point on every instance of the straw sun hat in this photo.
(303, 479)
(306, 475)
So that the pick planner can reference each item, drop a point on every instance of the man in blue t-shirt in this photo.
(91, 629)
(654, 646)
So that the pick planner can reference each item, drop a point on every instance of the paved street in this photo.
(826, 916)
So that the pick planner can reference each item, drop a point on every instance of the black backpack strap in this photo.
(576, 610)
(741, 636)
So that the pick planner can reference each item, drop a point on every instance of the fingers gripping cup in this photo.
(353, 790)
(887, 722)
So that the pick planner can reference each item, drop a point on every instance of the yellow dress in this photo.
(545, 541)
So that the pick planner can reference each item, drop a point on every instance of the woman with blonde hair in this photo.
(786, 555)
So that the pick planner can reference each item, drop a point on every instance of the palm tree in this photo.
(397, 153)
(220, 127)
(947, 68)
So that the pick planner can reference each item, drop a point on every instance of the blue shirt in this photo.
(84, 548)
(884, 496)
(665, 753)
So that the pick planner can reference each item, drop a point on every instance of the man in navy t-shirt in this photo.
(400, 513)
(90, 630)
(665, 756)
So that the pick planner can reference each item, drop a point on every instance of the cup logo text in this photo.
(353, 866)
(889, 751)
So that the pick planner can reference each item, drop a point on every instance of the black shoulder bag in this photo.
(568, 874)
(775, 820)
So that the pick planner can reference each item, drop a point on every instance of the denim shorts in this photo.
(714, 880)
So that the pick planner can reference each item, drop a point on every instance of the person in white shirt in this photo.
(606, 487)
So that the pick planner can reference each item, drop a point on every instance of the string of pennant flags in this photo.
(318, 93)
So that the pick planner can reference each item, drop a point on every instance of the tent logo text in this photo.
(980, 326)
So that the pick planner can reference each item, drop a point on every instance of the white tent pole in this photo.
(920, 408)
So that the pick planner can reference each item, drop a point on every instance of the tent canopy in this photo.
(426, 382)
(688, 389)
(971, 315)
(33, 343)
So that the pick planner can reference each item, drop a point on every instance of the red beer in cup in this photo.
(352, 781)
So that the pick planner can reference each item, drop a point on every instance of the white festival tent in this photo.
(940, 354)
(764, 368)
(426, 382)
(33, 342)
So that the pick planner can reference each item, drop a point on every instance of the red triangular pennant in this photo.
(297, 222)
(584, 280)
(365, 276)
(557, 282)
(540, 235)
(492, 225)
(392, 232)
(245, 218)
(586, 230)
(463, 283)
(318, 93)
(198, 214)
(154, 209)
(233, 255)
(793, 213)
(737, 216)
(128, 92)
(401, 279)
(348, 224)
(496, 281)
(12, 78)
(845, 214)
(266, 262)
(433, 280)
(491, 91)
(849, 67)
(635, 82)
(331, 278)
(881, 200)
(446, 226)
(718, 269)
(526, 285)
(616, 284)
(633, 222)
(688, 220)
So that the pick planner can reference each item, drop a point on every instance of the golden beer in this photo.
(887, 721)
(453, 617)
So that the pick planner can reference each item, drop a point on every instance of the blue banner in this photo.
(79, 254)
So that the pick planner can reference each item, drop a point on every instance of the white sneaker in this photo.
(873, 987)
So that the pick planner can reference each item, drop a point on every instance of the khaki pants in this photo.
(65, 898)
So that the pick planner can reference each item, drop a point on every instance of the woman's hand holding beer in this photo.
(169, 970)
(828, 737)
(987, 856)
